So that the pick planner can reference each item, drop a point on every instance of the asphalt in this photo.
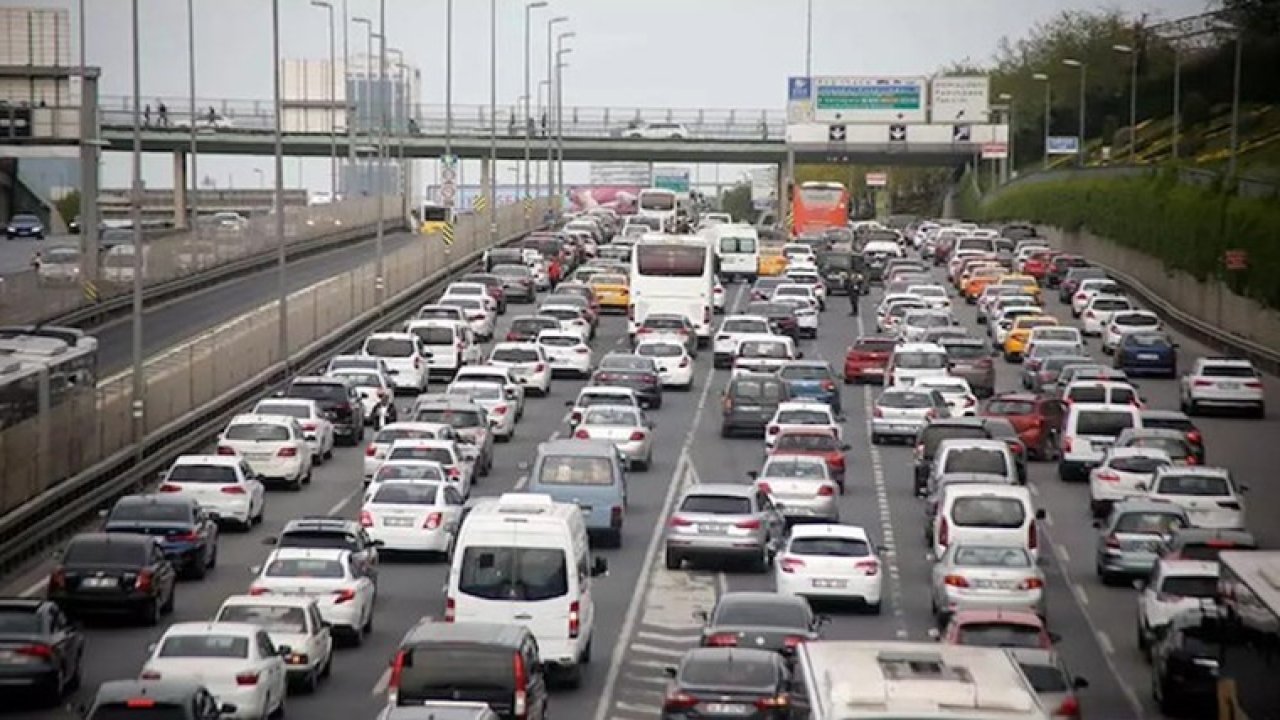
(644, 613)
(15, 255)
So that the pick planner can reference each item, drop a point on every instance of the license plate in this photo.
(99, 583)
(585, 508)
(1148, 356)
(1229, 385)
(714, 529)
(397, 522)
(829, 583)
(727, 708)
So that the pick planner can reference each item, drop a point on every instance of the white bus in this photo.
(737, 246)
(673, 274)
(659, 203)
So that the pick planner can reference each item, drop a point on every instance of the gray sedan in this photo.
(986, 577)
(719, 521)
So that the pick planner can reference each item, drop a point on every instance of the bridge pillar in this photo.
(180, 190)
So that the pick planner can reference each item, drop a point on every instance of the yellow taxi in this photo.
(772, 261)
(1026, 282)
(1016, 343)
(612, 290)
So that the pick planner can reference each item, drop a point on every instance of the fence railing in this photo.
(90, 424)
(1247, 187)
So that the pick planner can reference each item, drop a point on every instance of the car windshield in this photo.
(293, 410)
(458, 418)
(975, 460)
(432, 335)
(804, 372)
(216, 474)
(1191, 586)
(1149, 523)
(762, 613)
(905, 399)
(257, 432)
(204, 646)
(990, 557)
(513, 573)
(389, 347)
(576, 470)
(823, 442)
(149, 512)
(434, 454)
(795, 469)
(272, 618)
(999, 635)
(716, 505)
(920, 360)
(830, 547)
(999, 512)
(1199, 485)
(402, 493)
(659, 350)
(1102, 423)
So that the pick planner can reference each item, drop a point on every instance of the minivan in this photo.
(588, 474)
(404, 355)
(1089, 430)
(750, 401)
(910, 361)
(524, 558)
(981, 514)
(449, 345)
(493, 664)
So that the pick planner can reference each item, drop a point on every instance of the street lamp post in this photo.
(346, 93)
(1048, 100)
(537, 164)
(379, 280)
(368, 85)
(333, 94)
(138, 404)
(89, 154)
(282, 288)
(1177, 99)
(1084, 74)
(546, 129)
(561, 51)
(528, 120)
(192, 200)
(808, 39)
(491, 191)
(397, 124)
(1235, 105)
(1132, 51)
(1009, 157)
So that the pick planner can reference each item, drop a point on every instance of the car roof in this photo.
(991, 489)
(833, 530)
(260, 419)
(230, 461)
(167, 690)
(430, 631)
(1132, 451)
(201, 627)
(1035, 656)
(321, 523)
(156, 499)
(114, 538)
(731, 489)
(980, 443)
(804, 405)
(578, 448)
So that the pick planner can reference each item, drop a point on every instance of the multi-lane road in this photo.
(644, 618)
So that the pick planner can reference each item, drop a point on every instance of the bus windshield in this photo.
(669, 260)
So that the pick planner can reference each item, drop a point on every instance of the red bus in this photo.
(818, 206)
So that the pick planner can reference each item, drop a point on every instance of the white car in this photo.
(1222, 382)
(457, 471)
(805, 313)
(764, 353)
(413, 516)
(513, 388)
(593, 395)
(901, 411)
(480, 317)
(719, 298)
(527, 361)
(404, 355)
(275, 447)
(1126, 322)
(1174, 587)
(377, 394)
(492, 397)
(1089, 287)
(675, 367)
(567, 352)
(1098, 311)
(799, 254)
(733, 329)
(292, 622)
(1209, 496)
(798, 291)
(1002, 324)
(450, 343)
(809, 276)
(656, 131)
(830, 562)
(793, 415)
(224, 485)
(237, 662)
(405, 471)
(571, 319)
(375, 453)
(915, 324)
(474, 290)
(1125, 473)
(935, 296)
(317, 428)
(961, 400)
(344, 596)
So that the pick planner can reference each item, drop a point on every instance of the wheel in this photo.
(877, 439)
(761, 564)
(262, 511)
(1143, 643)
(327, 668)
(168, 605)
(673, 560)
(1193, 408)
(368, 624)
(198, 569)
(1260, 412)
(150, 613)
(725, 431)
(586, 654)
(641, 465)
(572, 677)
(873, 608)
(311, 682)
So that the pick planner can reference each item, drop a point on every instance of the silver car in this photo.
(719, 521)
(491, 397)
(1130, 539)
(900, 412)
(468, 419)
(626, 427)
(801, 488)
(986, 577)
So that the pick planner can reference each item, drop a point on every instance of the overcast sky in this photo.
(627, 53)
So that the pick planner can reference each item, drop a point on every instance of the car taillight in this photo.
(192, 536)
(224, 450)
(679, 701)
(1081, 296)
(520, 706)
(1194, 437)
(677, 521)
(393, 682)
(752, 524)
(615, 516)
(877, 412)
(1066, 441)
(309, 426)
(706, 315)
(869, 568)
(343, 595)
(1031, 584)
(722, 640)
(773, 429)
(57, 579)
(246, 679)
(371, 450)
(42, 652)
(789, 564)
(631, 313)
(1202, 383)
(684, 361)
(791, 642)
(582, 434)
(956, 581)
(1033, 536)
(143, 582)
(1253, 384)
(145, 703)
(450, 609)
(453, 472)
(1070, 708)
(575, 619)
(169, 488)
(500, 410)
(513, 337)
(931, 414)
(433, 521)
(366, 519)
(286, 452)
(944, 532)
(970, 402)
(826, 491)
(637, 436)
(540, 367)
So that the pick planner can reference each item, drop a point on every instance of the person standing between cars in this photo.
(853, 286)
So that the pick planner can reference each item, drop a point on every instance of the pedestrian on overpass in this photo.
(146, 115)
(163, 112)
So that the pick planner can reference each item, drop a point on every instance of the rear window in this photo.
(999, 512)
(906, 400)
(1192, 586)
(1198, 485)
(738, 674)
(1234, 371)
(935, 434)
(1102, 423)
(513, 573)
(434, 454)
(1208, 551)
(790, 468)
(663, 322)
(976, 460)
(1146, 465)
(573, 470)
(205, 646)
(14, 621)
(1150, 523)
(293, 410)
(257, 432)
(993, 556)
(965, 351)
(1137, 320)
(386, 436)
(145, 512)
(760, 390)
(531, 326)
(1011, 407)
(1175, 446)
(433, 335)
(803, 417)
(999, 635)
(559, 340)
(766, 614)
(406, 494)
(1107, 305)
(716, 505)
(660, 350)
(830, 547)
(216, 474)
(805, 372)
(876, 345)
(515, 355)
(304, 568)
(456, 418)
(408, 471)
(97, 552)
(440, 668)
(362, 380)
(807, 441)
(327, 539)
(271, 618)
(388, 347)
(920, 360)
(744, 326)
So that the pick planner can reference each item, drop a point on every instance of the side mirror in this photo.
(228, 709)
(270, 541)
(846, 447)
(1040, 514)
(284, 650)
(1097, 524)
(700, 615)
(377, 543)
(151, 648)
(523, 466)
(255, 569)
(568, 403)
(799, 354)
(669, 671)
(820, 620)
(599, 566)
(1055, 638)
(1079, 683)
(1139, 584)
(1140, 486)
(1244, 488)
(753, 474)
(103, 512)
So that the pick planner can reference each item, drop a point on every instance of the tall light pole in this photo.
(89, 153)
(1084, 74)
(406, 186)
(537, 165)
(333, 94)
(546, 131)
(528, 120)
(808, 38)
(1235, 105)
(398, 124)
(282, 288)
(1008, 98)
(1048, 99)
(346, 94)
(491, 191)
(1177, 98)
(368, 83)
(1132, 52)
(560, 66)
(379, 281)
(192, 199)
(448, 81)
(138, 405)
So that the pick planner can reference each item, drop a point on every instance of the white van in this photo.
(404, 355)
(1088, 432)
(911, 361)
(523, 558)
(450, 344)
(737, 248)
(982, 514)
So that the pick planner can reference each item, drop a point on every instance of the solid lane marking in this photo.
(384, 682)
(35, 589)
(1105, 641)
(337, 507)
(1062, 554)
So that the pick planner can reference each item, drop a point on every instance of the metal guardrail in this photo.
(29, 530)
(1245, 187)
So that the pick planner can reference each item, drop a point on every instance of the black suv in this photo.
(148, 699)
(1184, 661)
(750, 401)
(114, 573)
(631, 371)
(482, 662)
(338, 399)
(332, 533)
(187, 534)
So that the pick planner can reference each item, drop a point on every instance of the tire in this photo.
(168, 605)
(873, 608)
(213, 558)
(327, 668)
(1260, 412)
(585, 659)
(198, 570)
(761, 564)
(726, 431)
(673, 560)
(641, 465)
(877, 439)
(310, 683)
(150, 613)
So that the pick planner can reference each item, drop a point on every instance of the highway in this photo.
(644, 617)
(15, 255)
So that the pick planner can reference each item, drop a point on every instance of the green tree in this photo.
(737, 202)
(69, 206)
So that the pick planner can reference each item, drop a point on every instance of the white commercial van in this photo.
(1088, 432)
(982, 514)
(737, 248)
(523, 558)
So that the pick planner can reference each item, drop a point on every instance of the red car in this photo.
(1036, 418)
(868, 358)
(1037, 264)
(817, 442)
(998, 629)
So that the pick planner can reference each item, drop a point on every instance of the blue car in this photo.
(813, 380)
(1147, 353)
(187, 534)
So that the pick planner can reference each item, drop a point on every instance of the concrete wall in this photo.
(1209, 302)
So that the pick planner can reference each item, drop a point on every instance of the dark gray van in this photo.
(749, 402)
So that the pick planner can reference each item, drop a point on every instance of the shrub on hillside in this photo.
(1195, 109)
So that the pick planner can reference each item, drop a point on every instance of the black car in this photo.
(719, 682)
(526, 328)
(750, 401)
(24, 225)
(112, 573)
(187, 534)
(490, 663)
(836, 266)
(760, 620)
(338, 399)
(781, 316)
(156, 700)
(40, 650)
(631, 371)
(1184, 662)
(931, 436)
(331, 533)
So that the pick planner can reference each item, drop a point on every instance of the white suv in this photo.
(1222, 382)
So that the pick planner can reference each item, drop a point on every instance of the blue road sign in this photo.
(798, 88)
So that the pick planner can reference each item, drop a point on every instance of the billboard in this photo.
(960, 99)
(1063, 145)
(671, 178)
(619, 173)
(621, 198)
(764, 187)
(869, 99)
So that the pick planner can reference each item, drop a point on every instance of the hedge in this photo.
(1187, 228)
